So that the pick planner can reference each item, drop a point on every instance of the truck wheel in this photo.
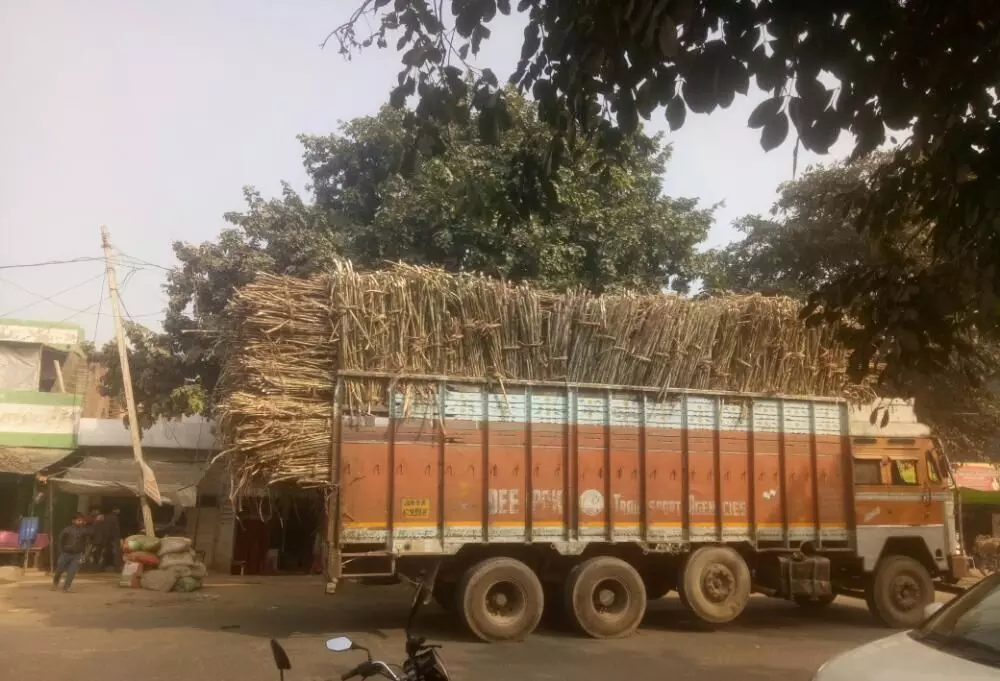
(901, 589)
(810, 604)
(605, 597)
(501, 599)
(715, 585)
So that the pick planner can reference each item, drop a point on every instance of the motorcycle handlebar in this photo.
(354, 672)
(369, 668)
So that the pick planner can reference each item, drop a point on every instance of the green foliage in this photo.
(810, 243)
(601, 67)
(174, 372)
(603, 229)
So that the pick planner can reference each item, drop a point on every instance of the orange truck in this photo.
(592, 499)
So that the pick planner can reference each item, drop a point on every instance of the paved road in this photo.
(221, 633)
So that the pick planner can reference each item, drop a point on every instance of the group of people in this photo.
(92, 540)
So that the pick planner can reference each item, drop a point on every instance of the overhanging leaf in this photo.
(676, 113)
(774, 132)
(764, 112)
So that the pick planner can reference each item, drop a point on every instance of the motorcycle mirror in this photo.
(339, 644)
(281, 660)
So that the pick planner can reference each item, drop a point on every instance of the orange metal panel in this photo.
(603, 466)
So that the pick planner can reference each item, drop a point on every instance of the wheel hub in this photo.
(610, 597)
(504, 600)
(718, 582)
(906, 592)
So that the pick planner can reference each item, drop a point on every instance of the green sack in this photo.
(187, 584)
(140, 542)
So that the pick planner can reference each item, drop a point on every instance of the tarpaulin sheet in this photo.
(177, 482)
(20, 367)
(29, 460)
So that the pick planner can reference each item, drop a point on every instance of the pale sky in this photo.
(151, 117)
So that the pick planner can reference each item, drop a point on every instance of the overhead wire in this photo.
(140, 261)
(40, 298)
(49, 262)
(45, 299)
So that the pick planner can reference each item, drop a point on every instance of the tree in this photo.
(929, 68)
(174, 373)
(809, 241)
(605, 229)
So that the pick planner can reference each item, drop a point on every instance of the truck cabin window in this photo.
(867, 472)
(933, 474)
(904, 472)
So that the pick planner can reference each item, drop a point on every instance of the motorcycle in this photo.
(423, 661)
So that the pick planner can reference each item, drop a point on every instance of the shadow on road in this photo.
(295, 607)
(842, 620)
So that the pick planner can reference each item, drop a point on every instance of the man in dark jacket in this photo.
(72, 543)
(100, 541)
(114, 535)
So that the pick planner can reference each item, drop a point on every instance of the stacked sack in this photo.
(167, 564)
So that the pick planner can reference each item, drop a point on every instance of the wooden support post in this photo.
(147, 484)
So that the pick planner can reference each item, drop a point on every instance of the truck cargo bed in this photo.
(567, 465)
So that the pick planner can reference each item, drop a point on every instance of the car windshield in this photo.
(970, 625)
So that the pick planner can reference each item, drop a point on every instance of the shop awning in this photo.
(978, 483)
(177, 482)
(29, 460)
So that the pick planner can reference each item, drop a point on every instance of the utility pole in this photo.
(147, 483)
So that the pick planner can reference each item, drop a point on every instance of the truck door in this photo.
(940, 494)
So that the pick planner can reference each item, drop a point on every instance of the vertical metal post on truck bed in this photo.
(609, 506)
(685, 468)
(442, 390)
(782, 475)
(529, 503)
(751, 472)
(334, 567)
(717, 467)
(814, 464)
(391, 467)
(643, 453)
(847, 459)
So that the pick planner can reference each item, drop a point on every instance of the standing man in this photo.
(113, 520)
(72, 543)
(100, 542)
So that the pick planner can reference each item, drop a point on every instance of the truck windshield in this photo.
(969, 626)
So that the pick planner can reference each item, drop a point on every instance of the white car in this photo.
(960, 640)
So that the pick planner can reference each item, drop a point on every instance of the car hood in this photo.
(901, 657)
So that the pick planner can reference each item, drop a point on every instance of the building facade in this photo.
(42, 372)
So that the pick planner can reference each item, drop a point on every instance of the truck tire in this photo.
(900, 591)
(605, 597)
(715, 584)
(501, 599)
